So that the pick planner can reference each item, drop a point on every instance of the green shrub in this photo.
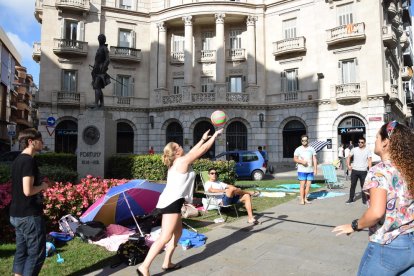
(58, 173)
(149, 167)
(120, 166)
(4, 173)
(67, 160)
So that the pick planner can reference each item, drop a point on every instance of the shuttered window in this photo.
(289, 28)
(345, 15)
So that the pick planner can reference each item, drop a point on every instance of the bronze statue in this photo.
(100, 78)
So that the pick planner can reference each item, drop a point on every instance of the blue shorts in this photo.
(230, 200)
(302, 176)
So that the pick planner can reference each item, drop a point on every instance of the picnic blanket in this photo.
(287, 188)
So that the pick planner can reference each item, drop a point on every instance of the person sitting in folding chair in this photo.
(231, 194)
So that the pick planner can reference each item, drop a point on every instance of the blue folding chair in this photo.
(329, 174)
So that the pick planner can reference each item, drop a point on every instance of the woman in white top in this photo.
(179, 188)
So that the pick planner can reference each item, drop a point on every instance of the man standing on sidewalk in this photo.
(362, 160)
(305, 157)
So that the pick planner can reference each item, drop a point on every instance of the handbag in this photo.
(189, 211)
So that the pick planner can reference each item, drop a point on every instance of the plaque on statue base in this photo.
(96, 142)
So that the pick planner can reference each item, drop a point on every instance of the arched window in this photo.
(198, 132)
(236, 136)
(66, 137)
(174, 133)
(291, 137)
(124, 138)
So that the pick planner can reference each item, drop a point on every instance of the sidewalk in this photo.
(292, 240)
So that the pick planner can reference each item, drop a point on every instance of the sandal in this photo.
(256, 193)
(171, 268)
(254, 222)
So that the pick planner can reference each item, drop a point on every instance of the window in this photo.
(345, 16)
(71, 30)
(207, 84)
(290, 81)
(207, 41)
(126, 38)
(124, 138)
(178, 43)
(236, 84)
(123, 86)
(236, 136)
(289, 28)
(177, 85)
(249, 157)
(174, 133)
(348, 69)
(69, 81)
(235, 39)
(125, 4)
(66, 136)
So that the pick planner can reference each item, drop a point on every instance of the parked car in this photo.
(8, 157)
(249, 164)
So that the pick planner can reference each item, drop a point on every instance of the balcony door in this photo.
(126, 38)
(289, 28)
(348, 71)
(345, 16)
(235, 39)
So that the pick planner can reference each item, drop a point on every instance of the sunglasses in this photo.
(213, 173)
(304, 140)
(361, 142)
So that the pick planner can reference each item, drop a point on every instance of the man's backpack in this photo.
(69, 224)
(91, 230)
(131, 252)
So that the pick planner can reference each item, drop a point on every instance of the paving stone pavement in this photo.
(292, 239)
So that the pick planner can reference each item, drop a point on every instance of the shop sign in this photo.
(348, 130)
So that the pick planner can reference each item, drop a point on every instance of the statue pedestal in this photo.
(96, 142)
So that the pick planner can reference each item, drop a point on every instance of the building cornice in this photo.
(124, 11)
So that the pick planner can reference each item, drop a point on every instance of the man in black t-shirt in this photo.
(26, 208)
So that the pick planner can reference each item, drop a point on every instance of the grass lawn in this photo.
(82, 258)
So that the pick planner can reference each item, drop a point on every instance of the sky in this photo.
(18, 21)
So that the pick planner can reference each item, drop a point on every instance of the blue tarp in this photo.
(192, 239)
(324, 194)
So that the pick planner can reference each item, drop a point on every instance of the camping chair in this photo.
(329, 174)
(214, 199)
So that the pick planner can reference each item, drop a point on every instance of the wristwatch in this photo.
(354, 225)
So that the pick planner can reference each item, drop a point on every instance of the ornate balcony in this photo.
(406, 73)
(39, 10)
(68, 98)
(120, 101)
(348, 92)
(233, 97)
(70, 47)
(172, 99)
(291, 45)
(389, 37)
(204, 97)
(177, 58)
(236, 55)
(207, 56)
(125, 54)
(393, 93)
(36, 52)
(392, 8)
(346, 33)
(73, 5)
(298, 96)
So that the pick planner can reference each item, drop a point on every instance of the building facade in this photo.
(16, 89)
(335, 70)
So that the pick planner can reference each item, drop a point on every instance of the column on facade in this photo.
(162, 55)
(251, 49)
(188, 50)
(220, 54)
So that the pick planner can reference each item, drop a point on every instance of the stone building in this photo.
(333, 69)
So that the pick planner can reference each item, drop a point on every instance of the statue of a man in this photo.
(100, 78)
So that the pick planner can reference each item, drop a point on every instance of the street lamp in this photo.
(261, 119)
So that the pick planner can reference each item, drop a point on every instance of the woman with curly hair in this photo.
(179, 188)
(390, 215)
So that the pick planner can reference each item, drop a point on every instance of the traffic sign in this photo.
(51, 121)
